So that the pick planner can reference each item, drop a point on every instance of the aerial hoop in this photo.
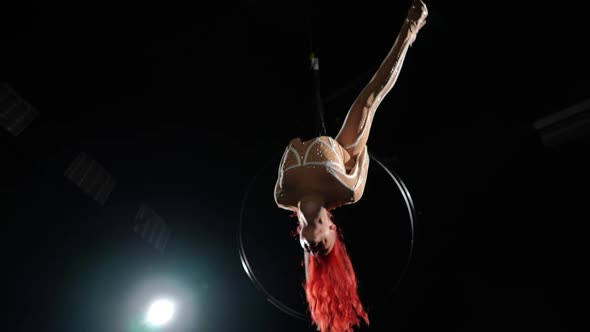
(378, 231)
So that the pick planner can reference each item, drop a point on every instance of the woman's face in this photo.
(318, 231)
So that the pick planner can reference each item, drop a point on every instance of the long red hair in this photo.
(332, 293)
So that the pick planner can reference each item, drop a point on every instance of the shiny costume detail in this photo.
(321, 162)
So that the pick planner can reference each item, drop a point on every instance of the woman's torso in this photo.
(316, 166)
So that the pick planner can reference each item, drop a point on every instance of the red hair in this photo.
(331, 291)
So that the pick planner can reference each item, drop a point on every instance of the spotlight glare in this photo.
(160, 312)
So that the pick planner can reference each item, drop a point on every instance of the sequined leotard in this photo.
(317, 166)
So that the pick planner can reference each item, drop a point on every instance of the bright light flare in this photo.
(160, 312)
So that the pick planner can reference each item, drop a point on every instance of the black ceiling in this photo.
(184, 105)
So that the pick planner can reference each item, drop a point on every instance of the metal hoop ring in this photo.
(276, 302)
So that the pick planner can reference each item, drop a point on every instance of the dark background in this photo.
(184, 104)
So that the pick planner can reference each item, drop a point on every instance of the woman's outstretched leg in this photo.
(354, 133)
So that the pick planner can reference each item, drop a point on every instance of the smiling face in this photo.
(318, 231)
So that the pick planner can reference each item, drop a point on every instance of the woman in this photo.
(320, 174)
